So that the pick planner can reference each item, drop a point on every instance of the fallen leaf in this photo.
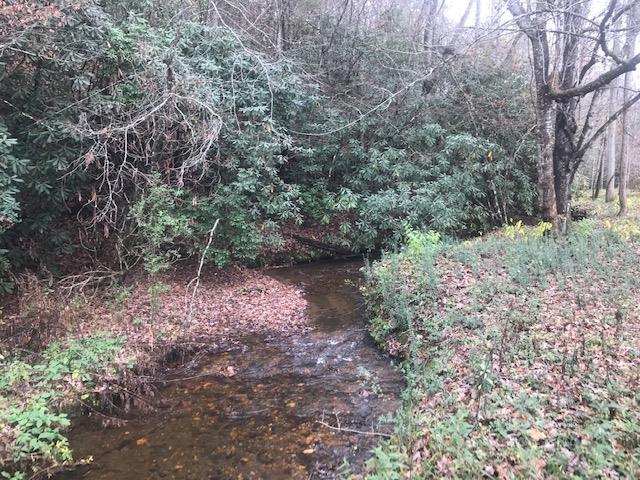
(536, 435)
(141, 441)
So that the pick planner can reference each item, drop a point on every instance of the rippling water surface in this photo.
(271, 419)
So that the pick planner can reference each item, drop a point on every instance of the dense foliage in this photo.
(34, 391)
(99, 99)
(127, 100)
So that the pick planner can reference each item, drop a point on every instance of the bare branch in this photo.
(599, 82)
(609, 121)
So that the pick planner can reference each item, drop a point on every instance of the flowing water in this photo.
(291, 408)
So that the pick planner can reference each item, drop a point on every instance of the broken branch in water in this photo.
(340, 428)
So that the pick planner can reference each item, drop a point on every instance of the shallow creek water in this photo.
(270, 419)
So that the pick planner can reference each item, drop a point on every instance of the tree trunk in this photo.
(624, 156)
(545, 112)
(465, 15)
(628, 50)
(428, 40)
(564, 159)
(601, 185)
(280, 19)
(545, 136)
(596, 183)
(610, 164)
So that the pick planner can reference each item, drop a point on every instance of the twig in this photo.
(197, 278)
(351, 430)
(80, 281)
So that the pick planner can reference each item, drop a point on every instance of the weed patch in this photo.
(37, 390)
(520, 351)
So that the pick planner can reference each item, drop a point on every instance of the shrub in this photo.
(35, 390)
(159, 225)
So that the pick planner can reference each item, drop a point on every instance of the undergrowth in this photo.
(520, 352)
(37, 392)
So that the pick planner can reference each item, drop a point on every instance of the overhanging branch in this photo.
(599, 82)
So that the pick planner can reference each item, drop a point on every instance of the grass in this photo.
(521, 352)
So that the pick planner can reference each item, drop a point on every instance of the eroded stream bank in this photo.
(268, 418)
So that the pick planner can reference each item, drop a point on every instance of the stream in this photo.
(291, 408)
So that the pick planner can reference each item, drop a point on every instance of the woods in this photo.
(257, 124)
(300, 115)
(559, 89)
(152, 148)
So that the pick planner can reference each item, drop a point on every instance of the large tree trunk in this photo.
(628, 50)
(565, 154)
(610, 164)
(564, 159)
(545, 140)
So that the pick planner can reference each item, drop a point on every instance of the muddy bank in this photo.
(229, 304)
(273, 407)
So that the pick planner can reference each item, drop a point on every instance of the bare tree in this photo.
(611, 159)
(627, 51)
(568, 41)
(281, 11)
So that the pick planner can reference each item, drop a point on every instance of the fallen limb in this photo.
(339, 428)
(199, 273)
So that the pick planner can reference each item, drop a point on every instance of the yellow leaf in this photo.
(141, 441)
